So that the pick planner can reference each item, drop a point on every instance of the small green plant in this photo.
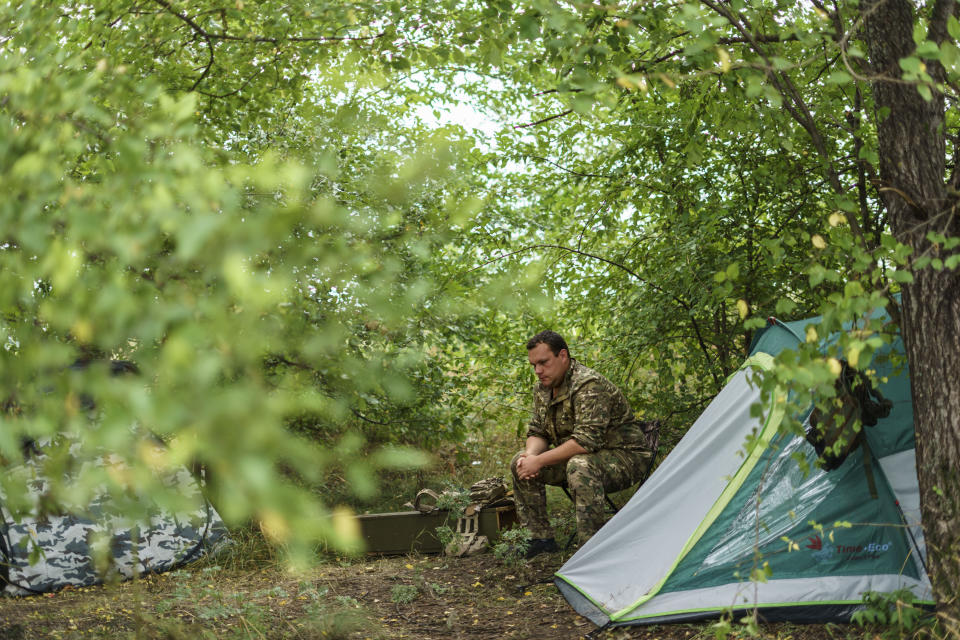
(277, 592)
(454, 501)
(347, 601)
(307, 590)
(335, 622)
(896, 611)
(748, 626)
(722, 628)
(513, 546)
(445, 535)
(195, 592)
(226, 607)
(404, 593)
(564, 522)
(183, 592)
(438, 589)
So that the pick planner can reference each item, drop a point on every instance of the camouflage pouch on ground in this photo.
(466, 538)
(428, 501)
(488, 491)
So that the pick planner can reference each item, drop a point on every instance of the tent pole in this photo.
(916, 547)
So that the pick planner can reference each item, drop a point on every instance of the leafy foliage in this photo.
(893, 612)
(258, 236)
(454, 501)
(513, 546)
(714, 163)
(404, 593)
(248, 202)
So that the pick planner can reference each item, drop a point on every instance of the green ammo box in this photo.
(414, 532)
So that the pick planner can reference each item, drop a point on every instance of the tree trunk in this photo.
(931, 308)
(912, 171)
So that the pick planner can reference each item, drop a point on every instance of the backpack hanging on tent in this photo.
(834, 435)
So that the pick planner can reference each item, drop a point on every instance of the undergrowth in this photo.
(894, 615)
(513, 546)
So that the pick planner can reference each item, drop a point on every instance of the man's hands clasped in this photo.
(528, 466)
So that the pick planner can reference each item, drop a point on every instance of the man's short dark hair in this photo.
(550, 338)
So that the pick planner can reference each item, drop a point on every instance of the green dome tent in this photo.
(723, 504)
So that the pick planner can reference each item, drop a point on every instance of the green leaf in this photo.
(582, 104)
(817, 274)
(839, 77)
(928, 49)
(400, 458)
(953, 27)
(910, 64)
(919, 32)
(903, 277)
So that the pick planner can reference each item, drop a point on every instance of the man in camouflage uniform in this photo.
(582, 433)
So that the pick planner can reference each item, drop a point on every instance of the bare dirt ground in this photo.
(429, 597)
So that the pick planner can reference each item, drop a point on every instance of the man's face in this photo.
(549, 368)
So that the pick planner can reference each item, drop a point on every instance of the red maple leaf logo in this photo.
(815, 543)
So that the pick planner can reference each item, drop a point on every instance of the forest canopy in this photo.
(265, 207)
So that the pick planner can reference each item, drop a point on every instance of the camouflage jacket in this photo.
(588, 408)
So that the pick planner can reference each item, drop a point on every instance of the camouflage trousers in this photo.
(588, 476)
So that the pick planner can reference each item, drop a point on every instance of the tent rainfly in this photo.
(46, 547)
(42, 552)
(730, 501)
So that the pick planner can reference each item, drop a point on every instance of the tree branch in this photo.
(570, 171)
(370, 420)
(547, 119)
(257, 39)
(206, 69)
(793, 103)
(680, 301)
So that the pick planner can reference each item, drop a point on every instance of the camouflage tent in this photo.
(47, 549)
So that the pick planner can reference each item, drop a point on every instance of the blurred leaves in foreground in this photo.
(263, 254)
